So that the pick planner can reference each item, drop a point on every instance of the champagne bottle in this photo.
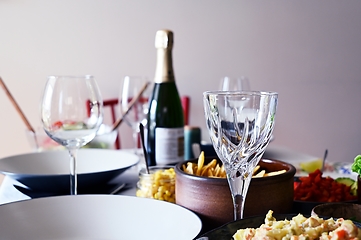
(165, 139)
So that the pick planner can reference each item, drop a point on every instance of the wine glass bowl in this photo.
(71, 114)
(240, 126)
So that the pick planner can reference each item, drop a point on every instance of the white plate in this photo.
(50, 170)
(97, 217)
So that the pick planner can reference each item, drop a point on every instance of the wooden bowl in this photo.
(211, 200)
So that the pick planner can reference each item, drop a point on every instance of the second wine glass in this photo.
(71, 114)
(130, 88)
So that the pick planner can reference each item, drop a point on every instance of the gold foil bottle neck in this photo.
(164, 68)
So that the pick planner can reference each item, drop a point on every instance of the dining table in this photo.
(9, 193)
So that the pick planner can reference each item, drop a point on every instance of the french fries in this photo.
(214, 169)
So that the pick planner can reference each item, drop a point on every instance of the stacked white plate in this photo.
(49, 171)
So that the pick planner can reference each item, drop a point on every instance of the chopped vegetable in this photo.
(345, 180)
(356, 165)
(315, 188)
(348, 182)
(354, 187)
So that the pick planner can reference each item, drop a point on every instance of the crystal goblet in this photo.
(240, 126)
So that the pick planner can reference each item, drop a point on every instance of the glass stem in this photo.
(239, 187)
(73, 171)
(238, 205)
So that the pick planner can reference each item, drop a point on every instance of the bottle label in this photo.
(169, 145)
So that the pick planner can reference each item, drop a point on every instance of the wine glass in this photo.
(235, 84)
(71, 114)
(130, 88)
(240, 125)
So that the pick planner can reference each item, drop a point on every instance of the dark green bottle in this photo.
(165, 135)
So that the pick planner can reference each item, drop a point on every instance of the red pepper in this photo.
(341, 234)
(316, 188)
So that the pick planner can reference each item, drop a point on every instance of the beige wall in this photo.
(309, 51)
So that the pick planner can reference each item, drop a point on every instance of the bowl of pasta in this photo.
(202, 187)
(286, 226)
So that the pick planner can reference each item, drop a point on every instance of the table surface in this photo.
(8, 193)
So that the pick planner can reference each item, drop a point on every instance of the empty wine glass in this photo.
(240, 125)
(130, 88)
(71, 114)
(235, 84)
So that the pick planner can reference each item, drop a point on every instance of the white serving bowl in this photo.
(49, 170)
(97, 217)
